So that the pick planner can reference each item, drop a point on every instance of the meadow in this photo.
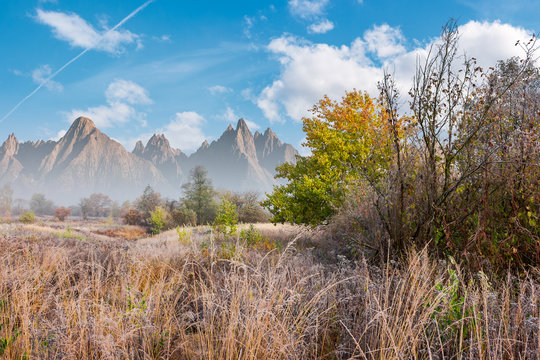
(97, 289)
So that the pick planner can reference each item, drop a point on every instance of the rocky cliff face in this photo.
(85, 160)
(166, 159)
(271, 152)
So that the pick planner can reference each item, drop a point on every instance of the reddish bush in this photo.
(132, 217)
(62, 213)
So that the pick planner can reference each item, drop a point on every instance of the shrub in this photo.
(183, 216)
(62, 213)
(226, 219)
(251, 236)
(158, 220)
(184, 235)
(132, 217)
(27, 217)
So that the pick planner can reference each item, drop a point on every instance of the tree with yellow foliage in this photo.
(350, 141)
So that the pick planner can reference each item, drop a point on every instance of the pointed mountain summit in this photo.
(10, 146)
(271, 152)
(88, 160)
(10, 167)
(159, 152)
(138, 149)
(232, 161)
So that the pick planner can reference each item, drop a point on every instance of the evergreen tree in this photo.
(199, 195)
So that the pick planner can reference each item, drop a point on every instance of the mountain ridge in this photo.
(86, 160)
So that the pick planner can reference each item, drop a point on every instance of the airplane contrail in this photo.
(124, 20)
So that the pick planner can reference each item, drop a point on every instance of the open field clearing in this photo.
(68, 292)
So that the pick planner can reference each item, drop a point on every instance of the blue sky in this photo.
(188, 68)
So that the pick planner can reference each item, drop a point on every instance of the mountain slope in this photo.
(231, 161)
(271, 152)
(86, 160)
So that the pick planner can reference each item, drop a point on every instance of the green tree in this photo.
(158, 220)
(40, 205)
(350, 141)
(148, 201)
(227, 218)
(199, 195)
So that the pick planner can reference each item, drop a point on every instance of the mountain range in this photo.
(86, 161)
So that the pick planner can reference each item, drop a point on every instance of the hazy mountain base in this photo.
(66, 292)
(86, 161)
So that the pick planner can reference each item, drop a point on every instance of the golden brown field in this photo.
(96, 290)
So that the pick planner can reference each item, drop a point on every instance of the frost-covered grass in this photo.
(90, 296)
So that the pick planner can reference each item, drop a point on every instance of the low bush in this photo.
(27, 217)
(184, 217)
(251, 236)
(132, 217)
(62, 213)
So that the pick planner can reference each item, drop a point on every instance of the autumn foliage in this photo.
(62, 213)
(458, 172)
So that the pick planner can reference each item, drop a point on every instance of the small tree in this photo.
(158, 220)
(247, 205)
(40, 205)
(62, 213)
(148, 202)
(199, 195)
(97, 205)
(227, 218)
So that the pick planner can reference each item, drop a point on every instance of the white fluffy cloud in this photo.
(321, 27)
(310, 70)
(384, 41)
(313, 11)
(41, 74)
(307, 9)
(121, 96)
(127, 91)
(78, 32)
(185, 131)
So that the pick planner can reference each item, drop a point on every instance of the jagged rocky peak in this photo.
(242, 125)
(10, 146)
(158, 141)
(269, 134)
(138, 149)
(206, 145)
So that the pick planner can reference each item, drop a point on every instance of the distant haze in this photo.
(86, 161)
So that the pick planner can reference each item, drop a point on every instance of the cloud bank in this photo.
(310, 70)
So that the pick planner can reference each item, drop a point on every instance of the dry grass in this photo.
(156, 298)
(124, 232)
